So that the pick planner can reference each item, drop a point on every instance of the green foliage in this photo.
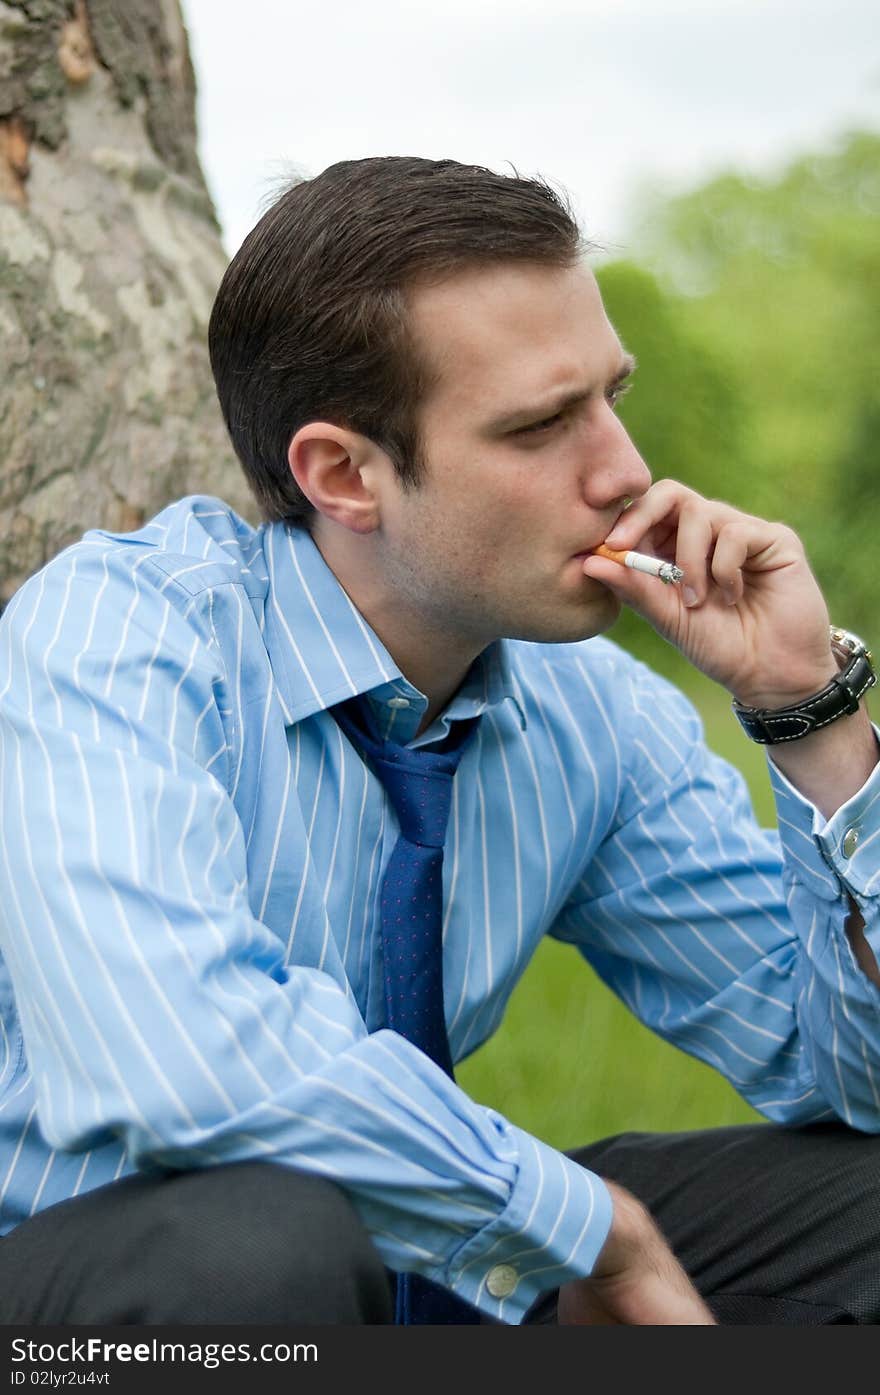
(687, 413)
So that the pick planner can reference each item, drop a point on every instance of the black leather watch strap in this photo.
(842, 695)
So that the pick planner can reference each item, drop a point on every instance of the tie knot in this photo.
(421, 796)
(418, 783)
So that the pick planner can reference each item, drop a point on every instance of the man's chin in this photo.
(578, 623)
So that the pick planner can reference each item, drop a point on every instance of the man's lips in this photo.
(579, 558)
(590, 548)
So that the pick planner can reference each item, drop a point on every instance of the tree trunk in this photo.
(110, 255)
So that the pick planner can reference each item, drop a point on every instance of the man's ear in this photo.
(335, 469)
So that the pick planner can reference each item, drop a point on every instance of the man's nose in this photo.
(615, 470)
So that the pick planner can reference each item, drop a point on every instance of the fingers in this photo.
(715, 545)
(653, 507)
(694, 542)
(731, 552)
(636, 1279)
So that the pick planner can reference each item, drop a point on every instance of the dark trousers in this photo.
(774, 1227)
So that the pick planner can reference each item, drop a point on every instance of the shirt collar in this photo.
(323, 651)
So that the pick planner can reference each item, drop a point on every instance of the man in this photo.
(420, 381)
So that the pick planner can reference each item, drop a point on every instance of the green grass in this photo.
(570, 1063)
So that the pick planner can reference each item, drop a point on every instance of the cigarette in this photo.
(651, 566)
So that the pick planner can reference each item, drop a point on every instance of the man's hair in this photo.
(310, 321)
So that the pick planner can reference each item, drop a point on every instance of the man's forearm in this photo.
(830, 765)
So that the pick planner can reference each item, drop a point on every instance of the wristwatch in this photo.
(842, 695)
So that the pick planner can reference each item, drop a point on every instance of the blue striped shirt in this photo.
(189, 880)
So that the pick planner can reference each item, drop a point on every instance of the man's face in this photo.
(527, 465)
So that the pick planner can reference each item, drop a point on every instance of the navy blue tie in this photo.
(419, 785)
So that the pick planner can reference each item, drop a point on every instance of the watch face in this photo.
(849, 643)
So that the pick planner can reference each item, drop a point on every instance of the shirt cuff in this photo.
(551, 1231)
(826, 855)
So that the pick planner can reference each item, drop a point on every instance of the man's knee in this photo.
(255, 1242)
(244, 1243)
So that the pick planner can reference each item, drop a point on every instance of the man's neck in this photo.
(428, 656)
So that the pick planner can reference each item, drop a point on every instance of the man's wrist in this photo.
(551, 1231)
(839, 696)
(829, 767)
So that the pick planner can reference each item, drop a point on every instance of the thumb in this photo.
(656, 601)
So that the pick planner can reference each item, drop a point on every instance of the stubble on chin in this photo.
(566, 625)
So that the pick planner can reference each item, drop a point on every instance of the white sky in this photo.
(596, 95)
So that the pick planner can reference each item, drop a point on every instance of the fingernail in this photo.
(689, 595)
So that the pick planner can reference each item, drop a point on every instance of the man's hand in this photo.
(749, 612)
(636, 1282)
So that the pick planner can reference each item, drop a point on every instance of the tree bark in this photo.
(110, 255)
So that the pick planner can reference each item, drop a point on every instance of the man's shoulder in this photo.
(192, 553)
(197, 544)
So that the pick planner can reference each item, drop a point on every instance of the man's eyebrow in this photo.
(520, 416)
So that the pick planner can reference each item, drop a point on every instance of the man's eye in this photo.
(615, 392)
(539, 426)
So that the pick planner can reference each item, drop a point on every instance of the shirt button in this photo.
(850, 841)
(398, 702)
(502, 1280)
